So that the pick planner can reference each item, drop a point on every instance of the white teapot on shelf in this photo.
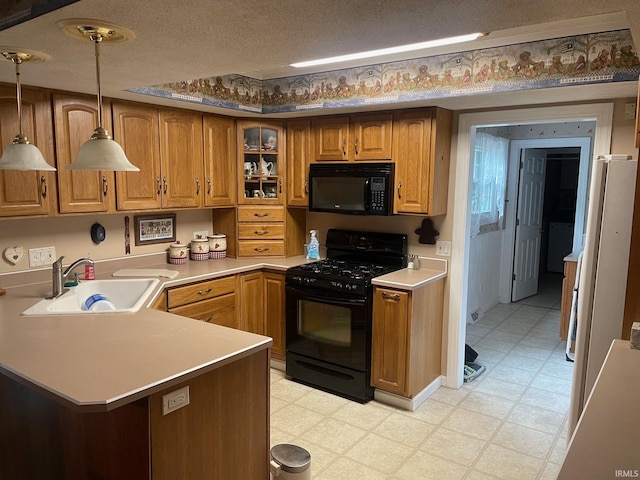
(267, 168)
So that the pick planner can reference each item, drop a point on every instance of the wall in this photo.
(485, 262)
(71, 236)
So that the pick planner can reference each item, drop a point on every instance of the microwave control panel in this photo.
(377, 193)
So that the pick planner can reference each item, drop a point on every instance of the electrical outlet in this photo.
(175, 400)
(201, 234)
(42, 256)
(443, 248)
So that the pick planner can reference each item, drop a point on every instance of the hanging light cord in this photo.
(96, 38)
(17, 60)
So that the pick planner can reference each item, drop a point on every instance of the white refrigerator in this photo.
(603, 275)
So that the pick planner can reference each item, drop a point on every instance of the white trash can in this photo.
(290, 462)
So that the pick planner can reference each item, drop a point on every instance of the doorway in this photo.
(602, 114)
(564, 201)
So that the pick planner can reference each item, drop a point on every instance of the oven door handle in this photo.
(319, 297)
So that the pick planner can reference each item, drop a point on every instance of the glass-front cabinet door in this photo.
(261, 153)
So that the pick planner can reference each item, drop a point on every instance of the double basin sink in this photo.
(127, 295)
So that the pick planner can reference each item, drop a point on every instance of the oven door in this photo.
(328, 326)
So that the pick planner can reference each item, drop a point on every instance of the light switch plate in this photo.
(443, 248)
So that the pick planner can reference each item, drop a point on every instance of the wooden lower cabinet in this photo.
(252, 309)
(570, 268)
(253, 302)
(223, 433)
(275, 308)
(406, 342)
(213, 301)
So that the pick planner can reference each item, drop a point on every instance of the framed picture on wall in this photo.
(155, 228)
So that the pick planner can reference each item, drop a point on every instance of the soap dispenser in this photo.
(313, 247)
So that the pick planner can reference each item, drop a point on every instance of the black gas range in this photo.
(329, 311)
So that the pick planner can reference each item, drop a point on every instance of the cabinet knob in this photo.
(43, 186)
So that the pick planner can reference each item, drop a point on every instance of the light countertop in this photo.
(97, 362)
(606, 438)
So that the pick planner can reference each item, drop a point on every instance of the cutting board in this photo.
(145, 272)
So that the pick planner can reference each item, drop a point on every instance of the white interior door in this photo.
(526, 262)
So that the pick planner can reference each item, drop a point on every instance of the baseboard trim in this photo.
(278, 365)
(408, 403)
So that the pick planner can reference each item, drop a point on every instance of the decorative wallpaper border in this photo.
(577, 60)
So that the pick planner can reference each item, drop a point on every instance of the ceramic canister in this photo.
(200, 245)
(217, 242)
(178, 250)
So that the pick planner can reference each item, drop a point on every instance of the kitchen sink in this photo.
(128, 295)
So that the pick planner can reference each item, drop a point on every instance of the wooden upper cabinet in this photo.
(219, 137)
(421, 147)
(331, 138)
(353, 138)
(27, 192)
(181, 159)
(372, 136)
(76, 117)
(136, 130)
(298, 159)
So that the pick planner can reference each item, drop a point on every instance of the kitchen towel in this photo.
(146, 272)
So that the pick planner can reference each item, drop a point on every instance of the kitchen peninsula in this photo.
(82, 396)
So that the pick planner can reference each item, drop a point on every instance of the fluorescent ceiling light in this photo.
(391, 50)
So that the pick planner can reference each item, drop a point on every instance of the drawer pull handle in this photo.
(158, 184)
(204, 292)
(164, 181)
(197, 186)
(393, 296)
(263, 232)
(261, 249)
(399, 187)
(105, 186)
(208, 186)
(306, 187)
(261, 215)
(356, 147)
(344, 147)
(209, 319)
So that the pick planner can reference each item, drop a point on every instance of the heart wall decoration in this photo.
(13, 255)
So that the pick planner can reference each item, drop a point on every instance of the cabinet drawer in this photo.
(220, 310)
(253, 248)
(257, 231)
(200, 291)
(260, 214)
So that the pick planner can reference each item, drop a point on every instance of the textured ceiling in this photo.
(198, 38)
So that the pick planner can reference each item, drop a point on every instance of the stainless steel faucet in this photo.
(60, 278)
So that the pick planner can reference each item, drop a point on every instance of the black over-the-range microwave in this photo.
(354, 188)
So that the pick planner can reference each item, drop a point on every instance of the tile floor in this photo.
(510, 423)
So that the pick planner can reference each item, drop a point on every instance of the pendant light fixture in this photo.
(22, 155)
(100, 152)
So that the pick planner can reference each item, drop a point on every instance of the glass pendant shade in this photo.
(100, 152)
(23, 156)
